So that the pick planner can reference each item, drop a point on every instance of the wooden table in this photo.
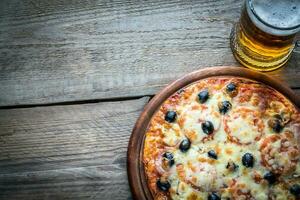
(75, 75)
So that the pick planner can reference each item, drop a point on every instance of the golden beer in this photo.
(264, 37)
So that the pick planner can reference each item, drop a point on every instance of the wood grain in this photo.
(66, 152)
(297, 92)
(74, 50)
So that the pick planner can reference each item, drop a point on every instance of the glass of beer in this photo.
(264, 38)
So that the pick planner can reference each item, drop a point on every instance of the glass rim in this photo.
(266, 23)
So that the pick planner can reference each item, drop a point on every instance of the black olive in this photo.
(224, 107)
(270, 177)
(277, 116)
(212, 154)
(203, 96)
(232, 166)
(213, 196)
(185, 145)
(163, 185)
(180, 91)
(248, 160)
(170, 116)
(231, 87)
(295, 190)
(276, 125)
(207, 127)
(169, 156)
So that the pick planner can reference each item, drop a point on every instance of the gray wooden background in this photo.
(75, 75)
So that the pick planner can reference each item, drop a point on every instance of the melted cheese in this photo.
(241, 126)
(173, 135)
(194, 115)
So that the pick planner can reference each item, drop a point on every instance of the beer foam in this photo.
(278, 14)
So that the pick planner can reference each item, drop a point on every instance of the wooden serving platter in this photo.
(135, 168)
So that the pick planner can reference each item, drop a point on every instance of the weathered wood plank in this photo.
(297, 91)
(66, 152)
(57, 51)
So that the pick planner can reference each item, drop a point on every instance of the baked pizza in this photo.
(224, 138)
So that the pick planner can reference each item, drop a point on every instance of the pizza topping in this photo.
(171, 135)
(224, 107)
(280, 111)
(256, 177)
(203, 96)
(161, 196)
(231, 166)
(280, 153)
(270, 177)
(212, 154)
(276, 124)
(280, 191)
(201, 176)
(193, 119)
(170, 116)
(248, 160)
(244, 126)
(163, 185)
(213, 196)
(231, 89)
(185, 145)
(207, 127)
(242, 192)
(168, 159)
(295, 190)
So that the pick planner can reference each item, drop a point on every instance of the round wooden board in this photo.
(135, 169)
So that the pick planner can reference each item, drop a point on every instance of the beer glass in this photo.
(264, 38)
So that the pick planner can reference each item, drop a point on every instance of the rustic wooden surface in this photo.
(71, 50)
(81, 52)
(66, 152)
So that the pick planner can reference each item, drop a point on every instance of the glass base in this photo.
(251, 59)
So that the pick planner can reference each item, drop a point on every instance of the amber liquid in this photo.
(257, 49)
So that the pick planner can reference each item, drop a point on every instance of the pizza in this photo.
(224, 138)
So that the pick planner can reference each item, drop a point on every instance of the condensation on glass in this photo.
(264, 38)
